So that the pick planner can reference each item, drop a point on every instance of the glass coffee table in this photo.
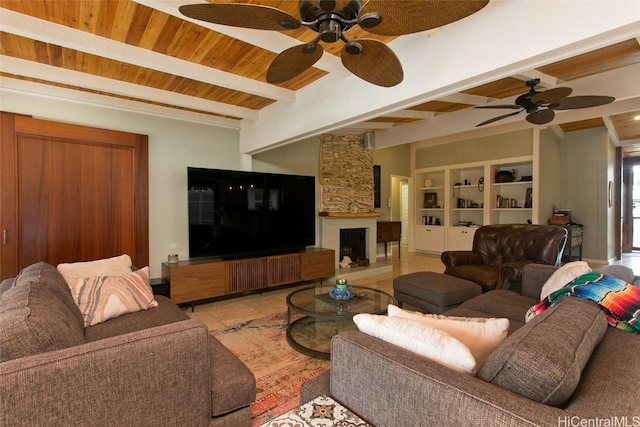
(323, 317)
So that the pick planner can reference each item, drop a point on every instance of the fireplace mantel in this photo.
(351, 214)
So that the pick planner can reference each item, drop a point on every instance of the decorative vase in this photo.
(341, 291)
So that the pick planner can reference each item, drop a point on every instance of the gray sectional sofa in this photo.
(151, 367)
(564, 367)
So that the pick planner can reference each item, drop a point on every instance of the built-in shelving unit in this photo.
(467, 204)
(452, 201)
(513, 201)
(431, 199)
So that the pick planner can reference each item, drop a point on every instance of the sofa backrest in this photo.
(503, 243)
(38, 314)
(544, 359)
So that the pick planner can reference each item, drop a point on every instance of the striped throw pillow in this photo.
(106, 297)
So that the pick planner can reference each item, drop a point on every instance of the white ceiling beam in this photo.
(468, 99)
(410, 114)
(63, 76)
(49, 91)
(630, 143)
(545, 79)
(611, 129)
(628, 93)
(372, 125)
(272, 41)
(432, 71)
(60, 35)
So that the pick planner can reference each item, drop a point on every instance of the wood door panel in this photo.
(91, 195)
(71, 193)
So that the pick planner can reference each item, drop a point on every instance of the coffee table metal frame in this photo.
(316, 310)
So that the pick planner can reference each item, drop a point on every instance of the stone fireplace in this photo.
(346, 188)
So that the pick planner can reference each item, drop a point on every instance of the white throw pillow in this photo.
(562, 276)
(418, 338)
(103, 267)
(481, 335)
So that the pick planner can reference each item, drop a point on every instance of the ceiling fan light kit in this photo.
(369, 59)
(540, 106)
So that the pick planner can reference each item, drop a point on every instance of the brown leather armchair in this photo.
(501, 251)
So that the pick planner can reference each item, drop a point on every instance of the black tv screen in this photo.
(234, 214)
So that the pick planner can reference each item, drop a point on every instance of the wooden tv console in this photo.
(199, 279)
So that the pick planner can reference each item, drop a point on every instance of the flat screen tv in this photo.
(237, 214)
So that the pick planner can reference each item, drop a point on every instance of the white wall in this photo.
(173, 145)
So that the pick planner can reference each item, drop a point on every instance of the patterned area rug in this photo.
(279, 369)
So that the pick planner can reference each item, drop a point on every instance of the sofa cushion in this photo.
(6, 284)
(37, 314)
(501, 303)
(622, 272)
(166, 312)
(233, 386)
(106, 297)
(544, 359)
(49, 276)
(480, 335)
(114, 266)
(419, 338)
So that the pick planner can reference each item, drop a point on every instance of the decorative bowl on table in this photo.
(341, 291)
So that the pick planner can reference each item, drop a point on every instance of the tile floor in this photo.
(241, 309)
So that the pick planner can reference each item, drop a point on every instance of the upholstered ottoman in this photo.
(433, 292)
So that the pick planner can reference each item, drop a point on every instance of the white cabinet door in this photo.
(430, 239)
(460, 238)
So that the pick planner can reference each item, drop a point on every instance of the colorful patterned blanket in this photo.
(619, 300)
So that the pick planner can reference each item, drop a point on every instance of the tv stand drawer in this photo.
(194, 282)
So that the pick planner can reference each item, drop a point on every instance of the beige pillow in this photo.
(480, 335)
(106, 297)
(103, 267)
(562, 276)
(419, 338)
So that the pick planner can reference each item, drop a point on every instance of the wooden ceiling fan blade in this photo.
(576, 102)
(373, 61)
(293, 62)
(513, 107)
(541, 117)
(242, 15)
(551, 96)
(495, 119)
(398, 17)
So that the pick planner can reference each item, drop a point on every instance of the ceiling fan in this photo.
(540, 106)
(369, 59)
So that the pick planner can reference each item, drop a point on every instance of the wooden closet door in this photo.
(71, 193)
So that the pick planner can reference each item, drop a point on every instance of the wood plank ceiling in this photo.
(215, 75)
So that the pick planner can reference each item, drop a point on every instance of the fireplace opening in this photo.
(353, 243)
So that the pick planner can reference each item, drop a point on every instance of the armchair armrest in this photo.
(389, 386)
(161, 373)
(511, 275)
(455, 258)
